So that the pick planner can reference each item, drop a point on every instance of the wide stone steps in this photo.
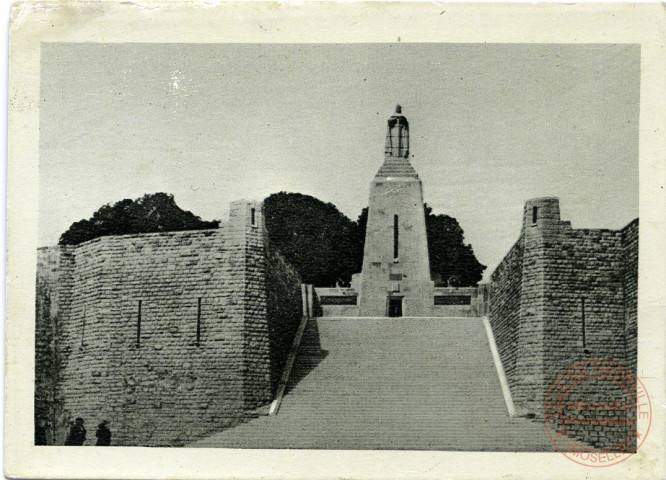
(387, 383)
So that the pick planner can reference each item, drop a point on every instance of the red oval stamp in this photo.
(597, 413)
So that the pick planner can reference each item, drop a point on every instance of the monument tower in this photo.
(395, 279)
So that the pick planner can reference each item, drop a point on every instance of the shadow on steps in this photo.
(310, 354)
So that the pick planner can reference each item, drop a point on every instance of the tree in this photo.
(155, 212)
(450, 258)
(359, 237)
(452, 262)
(314, 237)
(319, 241)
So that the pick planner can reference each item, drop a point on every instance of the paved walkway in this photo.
(407, 383)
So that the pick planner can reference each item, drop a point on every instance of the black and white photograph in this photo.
(401, 246)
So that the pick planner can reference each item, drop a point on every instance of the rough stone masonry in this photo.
(560, 296)
(169, 336)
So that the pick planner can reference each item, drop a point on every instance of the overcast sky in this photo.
(490, 127)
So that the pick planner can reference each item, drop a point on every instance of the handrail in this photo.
(275, 406)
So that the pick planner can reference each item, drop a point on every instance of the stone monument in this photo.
(395, 279)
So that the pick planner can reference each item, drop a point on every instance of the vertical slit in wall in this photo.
(198, 321)
(535, 211)
(582, 307)
(83, 329)
(253, 219)
(138, 325)
(395, 237)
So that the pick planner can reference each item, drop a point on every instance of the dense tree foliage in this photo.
(324, 246)
(327, 248)
(156, 212)
(315, 237)
(452, 262)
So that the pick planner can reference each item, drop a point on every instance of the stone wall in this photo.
(172, 335)
(584, 278)
(630, 280)
(504, 309)
(336, 302)
(446, 302)
(284, 309)
(561, 296)
(52, 286)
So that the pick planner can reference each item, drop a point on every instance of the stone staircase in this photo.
(391, 383)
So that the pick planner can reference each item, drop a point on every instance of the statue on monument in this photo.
(397, 135)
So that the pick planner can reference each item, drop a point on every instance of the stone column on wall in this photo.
(246, 227)
(53, 303)
(541, 218)
(630, 284)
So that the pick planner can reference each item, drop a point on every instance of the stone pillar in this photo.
(541, 220)
(246, 229)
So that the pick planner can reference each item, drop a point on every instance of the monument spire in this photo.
(395, 277)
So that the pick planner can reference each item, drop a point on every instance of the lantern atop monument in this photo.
(397, 135)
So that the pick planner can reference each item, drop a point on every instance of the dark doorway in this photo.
(395, 307)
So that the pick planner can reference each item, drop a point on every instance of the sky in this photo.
(491, 126)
